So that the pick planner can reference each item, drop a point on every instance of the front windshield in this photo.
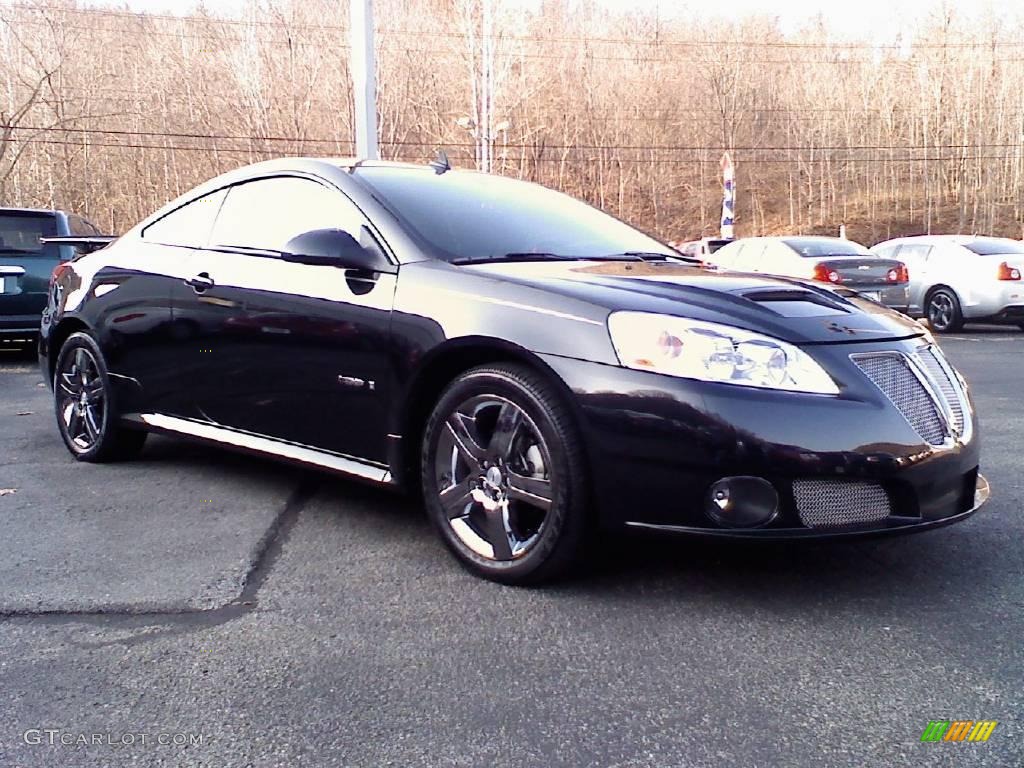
(463, 215)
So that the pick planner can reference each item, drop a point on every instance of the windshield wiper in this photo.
(655, 256)
(513, 257)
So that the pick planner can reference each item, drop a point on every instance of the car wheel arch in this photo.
(931, 292)
(444, 365)
(60, 334)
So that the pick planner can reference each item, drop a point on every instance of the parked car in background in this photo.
(832, 260)
(701, 249)
(26, 263)
(956, 279)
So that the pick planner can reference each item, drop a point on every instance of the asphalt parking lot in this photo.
(251, 614)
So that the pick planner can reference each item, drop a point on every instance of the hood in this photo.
(797, 311)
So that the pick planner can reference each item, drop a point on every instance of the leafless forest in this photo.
(111, 113)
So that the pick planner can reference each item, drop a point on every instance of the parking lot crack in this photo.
(265, 555)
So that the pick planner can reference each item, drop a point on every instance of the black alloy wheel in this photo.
(85, 405)
(503, 475)
(943, 310)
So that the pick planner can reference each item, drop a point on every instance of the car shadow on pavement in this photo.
(932, 568)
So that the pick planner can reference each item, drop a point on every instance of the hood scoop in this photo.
(798, 302)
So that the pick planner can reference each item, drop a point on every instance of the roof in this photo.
(44, 211)
(939, 239)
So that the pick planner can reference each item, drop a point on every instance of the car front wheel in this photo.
(503, 475)
(84, 402)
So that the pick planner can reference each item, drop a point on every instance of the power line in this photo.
(419, 33)
(534, 145)
(585, 162)
(836, 60)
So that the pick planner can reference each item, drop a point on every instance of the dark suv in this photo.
(26, 265)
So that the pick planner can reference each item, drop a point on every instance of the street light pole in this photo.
(364, 79)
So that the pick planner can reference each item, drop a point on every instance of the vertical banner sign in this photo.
(728, 195)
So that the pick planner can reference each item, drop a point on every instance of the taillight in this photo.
(898, 274)
(826, 274)
(59, 270)
(1006, 272)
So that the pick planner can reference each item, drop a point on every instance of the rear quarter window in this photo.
(188, 226)
(20, 233)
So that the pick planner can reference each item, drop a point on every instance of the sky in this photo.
(876, 20)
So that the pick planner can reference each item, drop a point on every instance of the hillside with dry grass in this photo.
(112, 113)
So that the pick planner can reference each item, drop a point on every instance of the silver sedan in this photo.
(838, 262)
(956, 279)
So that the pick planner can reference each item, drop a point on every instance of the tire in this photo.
(943, 311)
(504, 476)
(85, 406)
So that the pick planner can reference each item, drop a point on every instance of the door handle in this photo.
(200, 282)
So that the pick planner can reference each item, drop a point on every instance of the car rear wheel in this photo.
(84, 402)
(943, 310)
(503, 475)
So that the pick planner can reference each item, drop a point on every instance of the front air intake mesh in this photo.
(838, 503)
(939, 371)
(891, 373)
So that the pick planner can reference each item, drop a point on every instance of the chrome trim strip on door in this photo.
(265, 445)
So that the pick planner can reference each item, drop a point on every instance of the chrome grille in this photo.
(939, 371)
(892, 373)
(836, 503)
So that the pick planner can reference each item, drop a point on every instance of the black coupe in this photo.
(536, 368)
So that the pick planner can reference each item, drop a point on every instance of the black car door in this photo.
(131, 305)
(292, 351)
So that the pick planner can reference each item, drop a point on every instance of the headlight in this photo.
(693, 349)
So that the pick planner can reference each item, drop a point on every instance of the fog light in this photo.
(741, 502)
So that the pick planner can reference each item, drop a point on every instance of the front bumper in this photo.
(657, 443)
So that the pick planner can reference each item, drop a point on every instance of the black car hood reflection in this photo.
(800, 312)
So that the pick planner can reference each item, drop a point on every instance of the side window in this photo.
(726, 256)
(750, 257)
(267, 213)
(888, 251)
(914, 253)
(188, 226)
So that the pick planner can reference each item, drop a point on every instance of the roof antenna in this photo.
(440, 164)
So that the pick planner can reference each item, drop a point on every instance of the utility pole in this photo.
(364, 79)
(487, 75)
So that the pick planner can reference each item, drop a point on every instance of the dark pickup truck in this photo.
(32, 243)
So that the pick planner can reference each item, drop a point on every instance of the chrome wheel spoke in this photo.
(92, 427)
(81, 365)
(456, 499)
(534, 491)
(94, 392)
(68, 384)
(469, 449)
(498, 532)
(74, 421)
(510, 419)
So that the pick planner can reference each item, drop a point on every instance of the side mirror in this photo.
(335, 248)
